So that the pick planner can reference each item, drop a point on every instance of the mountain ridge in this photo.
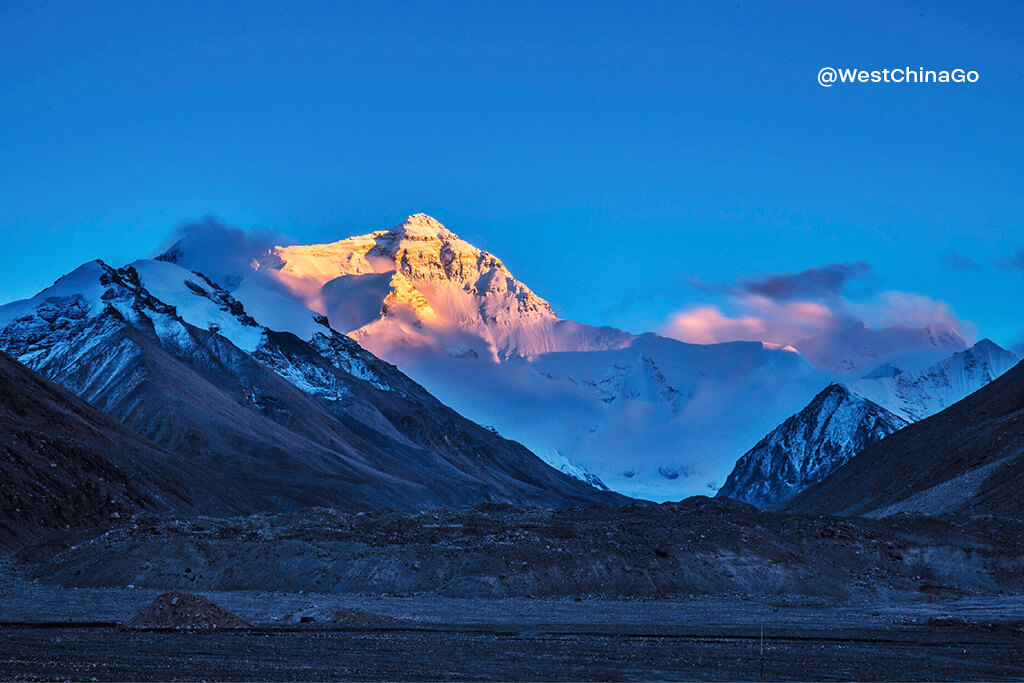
(966, 459)
(914, 395)
(774, 471)
(345, 428)
(646, 415)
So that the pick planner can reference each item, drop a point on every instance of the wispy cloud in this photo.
(894, 307)
(961, 263)
(1015, 262)
(761, 319)
(822, 282)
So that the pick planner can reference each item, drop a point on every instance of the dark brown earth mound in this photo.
(180, 610)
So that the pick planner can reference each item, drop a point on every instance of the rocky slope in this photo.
(967, 459)
(700, 546)
(66, 464)
(284, 418)
(809, 446)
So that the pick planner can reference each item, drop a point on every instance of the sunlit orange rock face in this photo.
(419, 285)
(405, 297)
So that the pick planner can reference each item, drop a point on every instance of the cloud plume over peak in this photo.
(760, 319)
(894, 308)
(216, 249)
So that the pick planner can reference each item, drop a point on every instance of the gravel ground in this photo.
(114, 654)
(905, 637)
(680, 591)
(697, 547)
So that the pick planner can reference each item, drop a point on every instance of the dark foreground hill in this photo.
(967, 459)
(65, 463)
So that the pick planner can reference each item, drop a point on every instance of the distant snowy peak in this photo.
(840, 422)
(855, 350)
(915, 395)
(419, 287)
(667, 418)
(835, 426)
(421, 249)
(568, 466)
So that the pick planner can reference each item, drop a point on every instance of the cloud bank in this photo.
(786, 308)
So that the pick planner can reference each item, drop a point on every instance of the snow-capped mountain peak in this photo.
(418, 286)
(420, 248)
(422, 224)
(171, 301)
(835, 426)
(914, 395)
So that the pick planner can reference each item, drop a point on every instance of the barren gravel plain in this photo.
(53, 633)
(703, 589)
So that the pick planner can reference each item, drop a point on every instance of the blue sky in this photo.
(613, 154)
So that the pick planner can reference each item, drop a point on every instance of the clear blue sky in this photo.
(606, 151)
